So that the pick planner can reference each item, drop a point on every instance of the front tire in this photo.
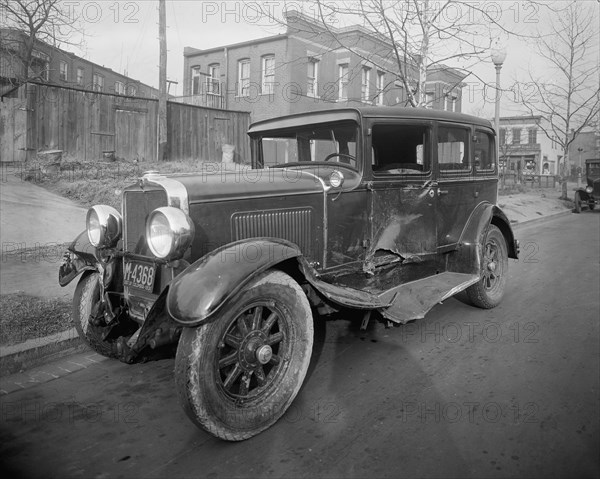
(238, 374)
(85, 301)
(489, 290)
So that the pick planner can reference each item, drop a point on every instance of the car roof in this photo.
(337, 114)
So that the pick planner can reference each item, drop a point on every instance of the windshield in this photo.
(328, 142)
(593, 169)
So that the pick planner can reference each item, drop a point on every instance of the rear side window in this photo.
(484, 152)
(452, 144)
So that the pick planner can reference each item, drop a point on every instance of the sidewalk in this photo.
(37, 273)
(35, 224)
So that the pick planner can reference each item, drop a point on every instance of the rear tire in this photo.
(489, 290)
(87, 295)
(238, 374)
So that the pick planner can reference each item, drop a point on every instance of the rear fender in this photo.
(202, 289)
(468, 257)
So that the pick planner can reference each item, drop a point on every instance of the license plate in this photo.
(139, 275)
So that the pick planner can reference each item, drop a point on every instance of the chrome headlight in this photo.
(104, 226)
(169, 232)
(589, 189)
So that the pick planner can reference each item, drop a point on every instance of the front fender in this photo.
(583, 195)
(206, 285)
(78, 258)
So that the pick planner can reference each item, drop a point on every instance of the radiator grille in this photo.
(137, 205)
(294, 225)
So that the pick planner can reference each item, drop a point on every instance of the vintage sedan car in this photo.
(590, 194)
(388, 211)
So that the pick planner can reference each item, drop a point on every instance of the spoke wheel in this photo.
(85, 302)
(238, 374)
(488, 292)
(253, 351)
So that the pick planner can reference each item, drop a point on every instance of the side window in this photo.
(400, 149)
(453, 156)
(484, 152)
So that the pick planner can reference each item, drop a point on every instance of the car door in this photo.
(455, 179)
(402, 192)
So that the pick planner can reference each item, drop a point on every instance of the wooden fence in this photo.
(88, 125)
(535, 181)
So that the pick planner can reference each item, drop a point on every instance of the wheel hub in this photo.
(264, 354)
(254, 350)
(492, 266)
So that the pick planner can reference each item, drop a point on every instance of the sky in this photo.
(123, 35)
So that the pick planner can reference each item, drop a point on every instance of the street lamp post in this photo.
(498, 56)
(580, 150)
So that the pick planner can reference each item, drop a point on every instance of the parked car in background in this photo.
(388, 211)
(590, 194)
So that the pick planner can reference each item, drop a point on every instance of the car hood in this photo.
(217, 184)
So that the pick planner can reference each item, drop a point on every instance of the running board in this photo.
(413, 300)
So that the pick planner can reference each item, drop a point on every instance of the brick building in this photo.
(586, 146)
(306, 69)
(525, 148)
(55, 66)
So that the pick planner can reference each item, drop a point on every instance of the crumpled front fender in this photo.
(78, 258)
(205, 286)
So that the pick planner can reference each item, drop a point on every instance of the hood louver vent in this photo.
(294, 225)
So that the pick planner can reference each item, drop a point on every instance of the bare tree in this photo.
(417, 37)
(28, 22)
(568, 97)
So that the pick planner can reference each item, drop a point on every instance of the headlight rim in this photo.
(110, 225)
(181, 228)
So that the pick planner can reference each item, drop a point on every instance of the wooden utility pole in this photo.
(162, 82)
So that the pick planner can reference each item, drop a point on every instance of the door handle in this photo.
(442, 192)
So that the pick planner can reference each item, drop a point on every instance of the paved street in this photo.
(512, 391)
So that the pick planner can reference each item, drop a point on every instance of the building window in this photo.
(119, 88)
(268, 75)
(196, 80)
(312, 88)
(532, 136)
(213, 81)
(40, 65)
(79, 76)
(343, 82)
(450, 102)
(131, 90)
(97, 82)
(503, 136)
(63, 70)
(364, 83)
(516, 136)
(429, 97)
(243, 77)
(380, 87)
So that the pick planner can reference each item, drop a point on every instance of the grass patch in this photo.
(24, 317)
(99, 182)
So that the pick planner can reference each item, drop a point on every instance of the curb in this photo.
(35, 352)
(541, 219)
